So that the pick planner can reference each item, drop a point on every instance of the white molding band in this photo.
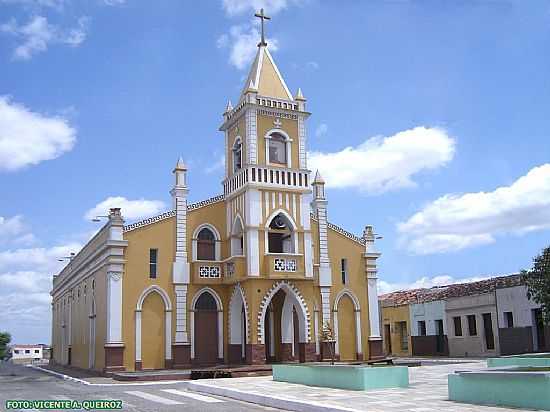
(251, 135)
(302, 155)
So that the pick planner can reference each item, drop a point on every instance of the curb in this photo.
(264, 400)
(59, 375)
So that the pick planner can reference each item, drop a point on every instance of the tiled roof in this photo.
(405, 297)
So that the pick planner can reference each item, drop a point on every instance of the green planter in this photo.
(360, 378)
(517, 387)
(531, 359)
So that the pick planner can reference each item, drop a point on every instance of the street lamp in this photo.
(69, 258)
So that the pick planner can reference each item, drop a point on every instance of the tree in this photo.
(328, 336)
(5, 339)
(537, 280)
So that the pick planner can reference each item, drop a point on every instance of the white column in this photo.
(192, 328)
(168, 335)
(114, 307)
(138, 335)
(271, 332)
(336, 344)
(251, 136)
(325, 304)
(252, 222)
(302, 142)
(181, 318)
(359, 346)
(220, 334)
(374, 315)
(316, 329)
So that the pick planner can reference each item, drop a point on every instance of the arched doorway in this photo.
(347, 326)
(346, 329)
(238, 326)
(207, 328)
(284, 323)
(152, 332)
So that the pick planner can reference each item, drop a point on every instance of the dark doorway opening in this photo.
(489, 336)
(206, 330)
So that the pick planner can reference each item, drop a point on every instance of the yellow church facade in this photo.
(250, 276)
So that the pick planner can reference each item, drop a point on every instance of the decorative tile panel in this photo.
(209, 272)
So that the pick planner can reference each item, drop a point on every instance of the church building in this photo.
(250, 276)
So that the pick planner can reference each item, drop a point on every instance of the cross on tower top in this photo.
(263, 17)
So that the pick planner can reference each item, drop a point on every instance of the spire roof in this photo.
(180, 165)
(318, 179)
(264, 77)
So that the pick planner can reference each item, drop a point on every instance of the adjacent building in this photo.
(249, 276)
(486, 318)
(24, 354)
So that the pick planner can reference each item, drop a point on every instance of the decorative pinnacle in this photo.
(318, 179)
(299, 95)
(263, 17)
(180, 165)
(229, 106)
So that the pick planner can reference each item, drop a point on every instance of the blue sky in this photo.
(434, 116)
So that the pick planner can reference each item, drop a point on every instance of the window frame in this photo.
(457, 323)
(509, 318)
(211, 243)
(287, 148)
(238, 141)
(153, 263)
(422, 331)
(344, 271)
(472, 325)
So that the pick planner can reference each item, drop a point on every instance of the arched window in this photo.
(206, 302)
(280, 235)
(277, 149)
(206, 245)
(237, 155)
(237, 238)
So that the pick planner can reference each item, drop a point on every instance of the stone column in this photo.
(114, 344)
(370, 255)
(181, 354)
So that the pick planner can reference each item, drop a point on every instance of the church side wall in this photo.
(161, 236)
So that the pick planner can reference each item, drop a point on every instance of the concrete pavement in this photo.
(23, 383)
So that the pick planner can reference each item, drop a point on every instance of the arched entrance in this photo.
(207, 328)
(153, 329)
(152, 332)
(284, 324)
(347, 326)
(238, 326)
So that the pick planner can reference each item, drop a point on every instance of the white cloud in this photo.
(455, 222)
(271, 7)
(37, 4)
(38, 34)
(14, 231)
(321, 130)
(425, 282)
(243, 40)
(381, 164)
(29, 259)
(130, 209)
(214, 167)
(28, 138)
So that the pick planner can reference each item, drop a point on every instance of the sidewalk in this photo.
(427, 393)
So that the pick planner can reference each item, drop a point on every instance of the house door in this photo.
(206, 330)
(539, 328)
(489, 336)
(439, 344)
(387, 339)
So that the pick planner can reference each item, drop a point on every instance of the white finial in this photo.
(229, 106)
(299, 95)
(251, 85)
(318, 179)
(180, 165)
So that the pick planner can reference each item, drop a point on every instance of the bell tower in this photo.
(267, 182)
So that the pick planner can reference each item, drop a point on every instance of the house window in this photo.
(509, 318)
(237, 155)
(27, 351)
(16, 351)
(153, 262)
(472, 325)
(344, 270)
(277, 149)
(422, 328)
(280, 235)
(206, 245)
(403, 335)
(458, 325)
(36, 351)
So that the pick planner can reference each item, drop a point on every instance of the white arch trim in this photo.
(351, 295)
(288, 141)
(240, 140)
(160, 291)
(235, 239)
(238, 333)
(357, 312)
(219, 305)
(217, 240)
(293, 291)
(167, 320)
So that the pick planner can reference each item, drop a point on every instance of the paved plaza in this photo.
(427, 393)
